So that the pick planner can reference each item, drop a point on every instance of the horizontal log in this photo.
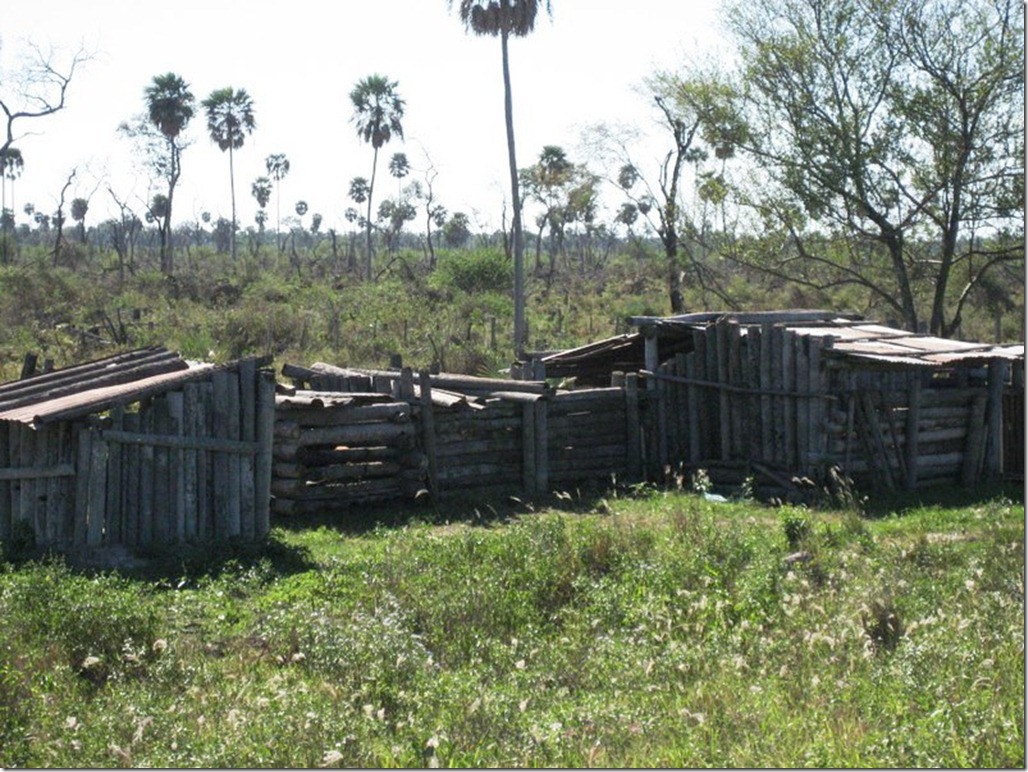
(185, 442)
(472, 448)
(933, 397)
(342, 415)
(37, 473)
(358, 434)
(602, 396)
(300, 490)
(516, 396)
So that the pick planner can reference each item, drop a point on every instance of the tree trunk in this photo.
(519, 246)
(232, 185)
(371, 191)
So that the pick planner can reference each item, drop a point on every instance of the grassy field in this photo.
(652, 629)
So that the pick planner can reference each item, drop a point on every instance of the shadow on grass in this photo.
(477, 508)
(885, 504)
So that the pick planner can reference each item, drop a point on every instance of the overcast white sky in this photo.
(299, 61)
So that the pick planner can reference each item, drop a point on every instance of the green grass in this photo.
(649, 631)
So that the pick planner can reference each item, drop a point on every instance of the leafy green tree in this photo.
(229, 120)
(261, 191)
(503, 19)
(278, 167)
(457, 230)
(170, 108)
(377, 115)
(897, 127)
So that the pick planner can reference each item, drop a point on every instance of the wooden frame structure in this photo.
(137, 451)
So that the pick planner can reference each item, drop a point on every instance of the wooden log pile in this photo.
(333, 450)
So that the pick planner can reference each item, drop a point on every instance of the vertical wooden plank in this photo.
(83, 475)
(130, 483)
(789, 402)
(974, 445)
(176, 470)
(190, 406)
(14, 456)
(247, 433)
(262, 473)
(162, 521)
(145, 536)
(694, 397)
(39, 493)
(528, 460)
(680, 415)
(660, 395)
(53, 514)
(993, 462)
(234, 460)
(723, 399)
(5, 486)
(633, 429)
(766, 385)
(223, 526)
(113, 510)
(27, 487)
(428, 438)
(751, 380)
(736, 400)
(802, 402)
(97, 491)
(702, 394)
(818, 405)
(542, 455)
(204, 427)
(778, 400)
(912, 428)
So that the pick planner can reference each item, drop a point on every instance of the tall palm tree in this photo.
(278, 167)
(377, 114)
(11, 165)
(229, 120)
(503, 19)
(169, 106)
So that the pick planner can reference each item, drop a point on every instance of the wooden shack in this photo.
(785, 396)
(136, 451)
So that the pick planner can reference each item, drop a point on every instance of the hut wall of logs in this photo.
(345, 437)
(136, 452)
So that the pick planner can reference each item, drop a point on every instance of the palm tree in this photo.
(278, 167)
(377, 114)
(11, 164)
(504, 18)
(229, 120)
(169, 104)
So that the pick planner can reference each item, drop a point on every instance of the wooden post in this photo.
(974, 446)
(789, 385)
(994, 418)
(767, 448)
(694, 407)
(542, 456)
(177, 472)
(723, 399)
(633, 429)
(913, 419)
(5, 496)
(223, 525)
(130, 483)
(190, 407)
(262, 472)
(528, 459)
(428, 438)
(97, 486)
(83, 474)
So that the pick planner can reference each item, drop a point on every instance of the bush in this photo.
(474, 272)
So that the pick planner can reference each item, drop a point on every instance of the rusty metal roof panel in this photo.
(92, 387)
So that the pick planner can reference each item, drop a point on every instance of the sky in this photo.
(582, 66)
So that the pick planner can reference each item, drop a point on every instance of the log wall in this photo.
(190, 464)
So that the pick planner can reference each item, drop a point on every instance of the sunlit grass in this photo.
(655, 630)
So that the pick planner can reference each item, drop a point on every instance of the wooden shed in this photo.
(139, 450)
(781, 396)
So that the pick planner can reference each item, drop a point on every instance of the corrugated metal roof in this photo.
(92, 387)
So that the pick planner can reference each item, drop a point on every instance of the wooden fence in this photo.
(191, 463)
(419, 434)
(776, 405)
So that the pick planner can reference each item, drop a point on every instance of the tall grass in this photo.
(663, 630)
